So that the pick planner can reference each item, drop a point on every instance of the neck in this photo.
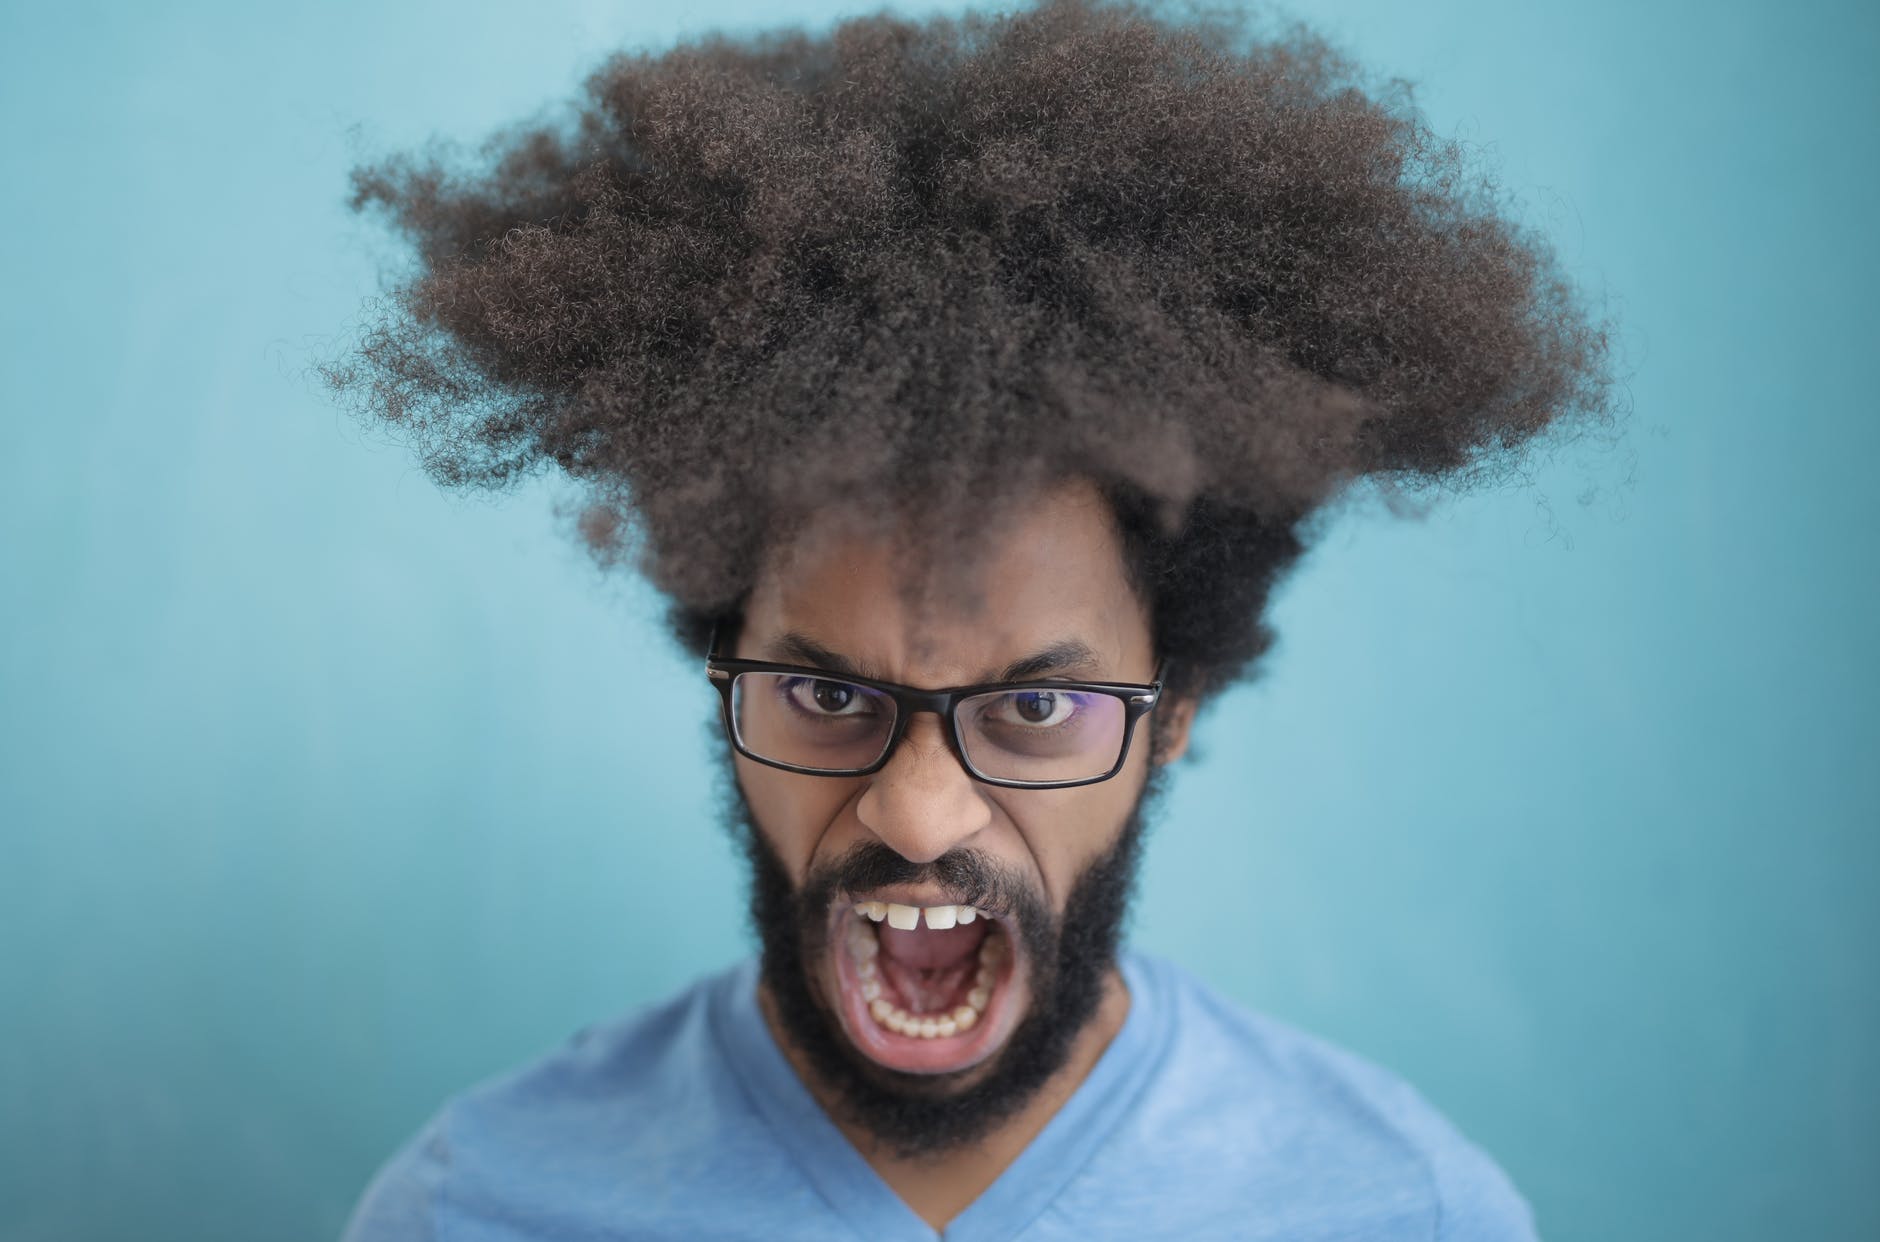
(939, 1186)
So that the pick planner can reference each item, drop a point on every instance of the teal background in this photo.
(321, 797)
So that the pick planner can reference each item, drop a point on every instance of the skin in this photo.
(1057, 572)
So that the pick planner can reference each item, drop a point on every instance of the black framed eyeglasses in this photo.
(1020, 734)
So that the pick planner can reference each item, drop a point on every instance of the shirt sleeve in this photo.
(1477, 1201)
(396, 1206)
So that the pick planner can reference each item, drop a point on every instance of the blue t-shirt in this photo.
(1201, 1120)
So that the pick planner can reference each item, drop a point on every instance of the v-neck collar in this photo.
(1028, 1185)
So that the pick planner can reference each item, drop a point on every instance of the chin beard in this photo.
(1070, 957)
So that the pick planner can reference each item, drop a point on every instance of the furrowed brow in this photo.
(1064, 656)
(797, 648)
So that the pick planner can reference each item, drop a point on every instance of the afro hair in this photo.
(920, 269)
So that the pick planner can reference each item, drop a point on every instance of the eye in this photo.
(1041, 708)
(827, 698)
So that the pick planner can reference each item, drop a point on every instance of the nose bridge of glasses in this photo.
(929, 703)
(913, 702)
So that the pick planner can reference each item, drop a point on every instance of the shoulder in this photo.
(619, 1100)
(1330, 1119)
(398, 1202)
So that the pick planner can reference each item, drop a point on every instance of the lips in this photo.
(927, 989)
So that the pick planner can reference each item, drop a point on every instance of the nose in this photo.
(923, 803)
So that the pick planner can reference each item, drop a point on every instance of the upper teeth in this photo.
(907, 918)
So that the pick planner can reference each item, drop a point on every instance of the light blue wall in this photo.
(320, 798)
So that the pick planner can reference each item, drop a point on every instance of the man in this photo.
(966, 386)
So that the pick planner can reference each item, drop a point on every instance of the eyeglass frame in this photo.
(1138, 701)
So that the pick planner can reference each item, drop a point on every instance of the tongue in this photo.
(926, 949)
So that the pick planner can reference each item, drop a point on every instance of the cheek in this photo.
(794, 811)
(1065, 829)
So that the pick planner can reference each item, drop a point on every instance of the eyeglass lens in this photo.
(1039, 734)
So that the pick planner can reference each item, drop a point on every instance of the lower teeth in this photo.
(863, 948)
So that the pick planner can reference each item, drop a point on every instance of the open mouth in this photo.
(924, 989)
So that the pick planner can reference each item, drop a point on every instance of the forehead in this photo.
(1050, 571)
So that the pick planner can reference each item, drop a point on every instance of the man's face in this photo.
(932, 1033)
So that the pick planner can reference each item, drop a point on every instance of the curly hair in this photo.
(917, 270)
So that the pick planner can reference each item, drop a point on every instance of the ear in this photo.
(1172, 720)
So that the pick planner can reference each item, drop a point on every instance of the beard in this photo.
(1071, 955)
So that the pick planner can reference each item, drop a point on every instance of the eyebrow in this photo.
(1065, 655)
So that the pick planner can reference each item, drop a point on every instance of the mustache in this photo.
(970, 877)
